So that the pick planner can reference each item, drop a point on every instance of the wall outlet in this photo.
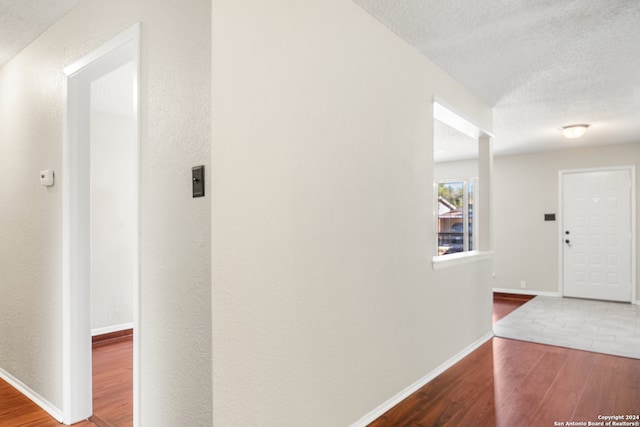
(523, 284)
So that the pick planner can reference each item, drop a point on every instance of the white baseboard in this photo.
(527, 292)
(43, 403)
(110, 329)
(384, 407)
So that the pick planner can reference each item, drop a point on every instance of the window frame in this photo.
(482, 240)
(466, 182)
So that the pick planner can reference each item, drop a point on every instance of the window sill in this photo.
(446, 261)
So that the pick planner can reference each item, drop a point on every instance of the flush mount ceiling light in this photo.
(574, 131)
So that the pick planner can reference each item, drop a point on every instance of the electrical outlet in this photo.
(523, 284)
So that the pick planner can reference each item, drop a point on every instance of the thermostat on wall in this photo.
(46, 178)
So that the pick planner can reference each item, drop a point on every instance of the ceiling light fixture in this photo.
(574, 131)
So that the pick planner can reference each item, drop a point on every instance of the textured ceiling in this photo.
(450, 144)
(22, 21)
(540, 64)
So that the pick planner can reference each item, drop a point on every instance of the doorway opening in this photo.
(100, 213)
(597, 234)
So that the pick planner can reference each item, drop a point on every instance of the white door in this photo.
(596, 234)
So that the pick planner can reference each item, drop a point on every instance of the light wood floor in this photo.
(112, 392)
(515, 383)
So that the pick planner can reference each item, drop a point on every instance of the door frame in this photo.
(561, 174)
(76, 304)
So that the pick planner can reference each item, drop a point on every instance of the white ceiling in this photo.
(540, 64)
(450, 144)
(22, 21)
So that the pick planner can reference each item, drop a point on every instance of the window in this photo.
(455, 216)
(457, 183)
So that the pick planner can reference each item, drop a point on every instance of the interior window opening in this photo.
(456, 182)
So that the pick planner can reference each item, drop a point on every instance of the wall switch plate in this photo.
(47, 178)
(197, 179)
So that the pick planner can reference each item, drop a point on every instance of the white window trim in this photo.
(482, 235)
(459, 258)
(465, 211)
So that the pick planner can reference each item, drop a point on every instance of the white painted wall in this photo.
(175, 330)
(325, 303)
(460, 169)
(113, 202)
(525, 188)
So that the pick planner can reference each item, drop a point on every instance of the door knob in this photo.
(568, 242)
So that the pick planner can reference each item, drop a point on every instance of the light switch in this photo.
(46, 178)
(197, 178)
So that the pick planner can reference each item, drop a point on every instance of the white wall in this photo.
(113, 210)
(460, 169)
(175, 330)
(325, 303)
(525, 188)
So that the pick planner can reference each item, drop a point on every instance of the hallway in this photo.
(504, 382)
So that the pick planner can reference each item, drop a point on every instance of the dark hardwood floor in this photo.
(515, 383)
(113, 381)
(504, 304)
(17, 410)
(502, 383)
(112, 391)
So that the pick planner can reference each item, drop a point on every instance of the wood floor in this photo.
(112, 391)
(113, 382)
(502, 383)
(510, 383)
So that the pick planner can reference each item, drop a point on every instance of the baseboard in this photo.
(111, 338)
(111, 329)
(32, 395)
(384, 407)
(526, 292)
